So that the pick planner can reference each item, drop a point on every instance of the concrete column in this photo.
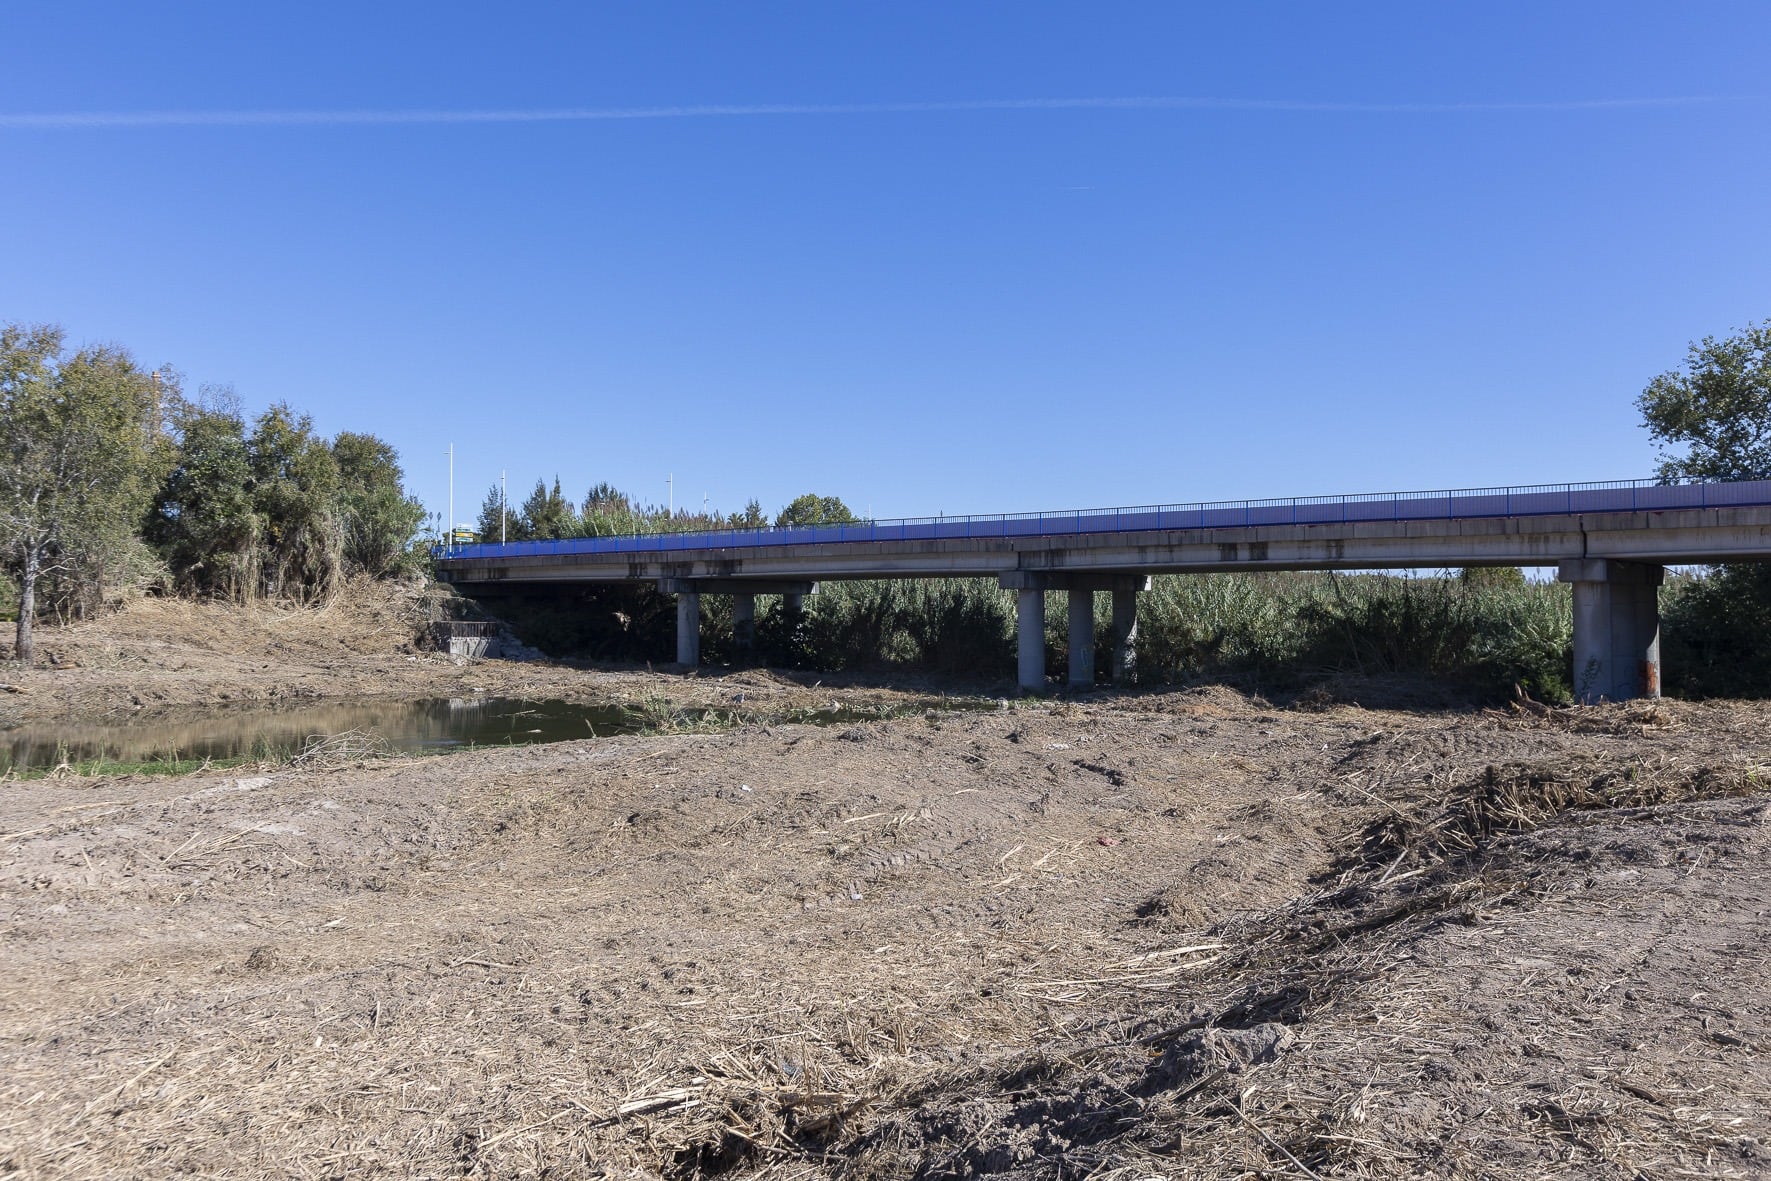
(1082, 638)
(744, 622)
(1030, 638)
(1592, 640)
(793, 606)
(1616, 628)
(1646, 633)
(688, 628)
(1125, 636)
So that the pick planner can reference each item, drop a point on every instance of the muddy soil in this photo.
(1181, 934)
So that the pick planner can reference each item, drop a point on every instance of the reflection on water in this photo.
(235, 733)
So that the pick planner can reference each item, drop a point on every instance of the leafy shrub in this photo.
(1716, 632)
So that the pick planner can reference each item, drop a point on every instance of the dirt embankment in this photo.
(1177, 935)
(161, 656)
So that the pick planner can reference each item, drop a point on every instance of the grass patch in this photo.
(656, 714)
(102, 766)
(319, 751)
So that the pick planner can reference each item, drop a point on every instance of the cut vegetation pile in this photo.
(1180, 935)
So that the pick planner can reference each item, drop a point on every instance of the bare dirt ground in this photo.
(1179, 934)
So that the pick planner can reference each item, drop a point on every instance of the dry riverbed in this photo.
(1182, 934)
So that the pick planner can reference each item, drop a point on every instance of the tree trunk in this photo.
(25, 649)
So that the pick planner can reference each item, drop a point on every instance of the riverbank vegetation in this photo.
(1481, 632)
(113, 481)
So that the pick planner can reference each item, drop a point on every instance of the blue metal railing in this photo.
(1613, 496)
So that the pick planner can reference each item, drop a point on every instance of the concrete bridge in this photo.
(1612, 541)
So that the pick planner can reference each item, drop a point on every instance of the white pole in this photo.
(500, 508)
(450, 523)
(670, 482)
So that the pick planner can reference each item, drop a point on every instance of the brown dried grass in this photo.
(843, 1072)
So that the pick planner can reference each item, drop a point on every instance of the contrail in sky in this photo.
(100, 120)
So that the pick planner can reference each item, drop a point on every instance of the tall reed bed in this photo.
(1287, 629)
(1486, 634)
(1481, 634)
(953, 626)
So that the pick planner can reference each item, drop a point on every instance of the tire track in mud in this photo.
(1036, 798)
(879, 855)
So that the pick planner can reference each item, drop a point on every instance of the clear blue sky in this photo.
(1404, 245)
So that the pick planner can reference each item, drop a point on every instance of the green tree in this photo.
(296, 492)
(752, 517)
(1716, 631)
(606, 512)
(77, 459)
(494, 513)
(1717, 408)
(202, 521)
(604, 497)
(379, 519)
(546, 514)
(812, 509)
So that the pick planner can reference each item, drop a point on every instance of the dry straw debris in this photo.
(1339, 943)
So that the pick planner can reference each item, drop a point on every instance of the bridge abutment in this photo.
(1616, 628)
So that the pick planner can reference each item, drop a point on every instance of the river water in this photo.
(433, 724)
(231, 733)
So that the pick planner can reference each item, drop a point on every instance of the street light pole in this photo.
(500, 508)
(450, 523)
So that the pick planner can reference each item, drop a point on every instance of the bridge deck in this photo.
(1633, 521)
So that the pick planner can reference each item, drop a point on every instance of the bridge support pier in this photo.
(1030, 641)
(1616, 628)
(1082, 639)
(1125, 635)
(688, 592)
(744, 623)
(688, 628)
(1030, 621)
